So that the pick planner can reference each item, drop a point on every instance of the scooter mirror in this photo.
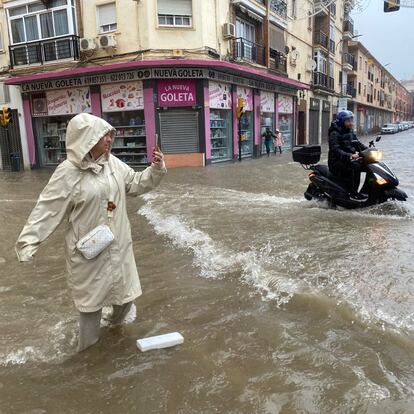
(378, 138)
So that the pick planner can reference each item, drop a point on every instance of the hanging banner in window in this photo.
(284, 104)
(123, 96)
(247, 94)
(220, 95)
(68, 101)
(267, 102)
(176, 93)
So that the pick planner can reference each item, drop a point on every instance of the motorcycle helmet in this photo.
(342, 116)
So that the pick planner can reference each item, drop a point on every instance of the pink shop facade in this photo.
(190, 106)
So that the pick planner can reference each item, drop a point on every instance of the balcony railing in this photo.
(349, 25)
(332, 46)
(349, 59)
(320, 38)
(278, 61)
(348, 89)
(332, 9)
(245, 50)
(45, 51)
(279, 7)
(322, 80)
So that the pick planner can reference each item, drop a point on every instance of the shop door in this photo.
(179, 131)
(313, 127)
(10, 143)
(301, 127)
(325, 126)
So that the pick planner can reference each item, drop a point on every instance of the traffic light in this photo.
(6, 116)
(391, 5)
(241, 102)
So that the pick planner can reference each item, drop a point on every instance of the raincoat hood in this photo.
(83, 132)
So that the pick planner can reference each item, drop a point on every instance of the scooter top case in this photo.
(332, 188)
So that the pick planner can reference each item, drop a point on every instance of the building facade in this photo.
(175, 69)
(377, 97)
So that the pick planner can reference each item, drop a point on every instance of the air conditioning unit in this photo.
(87, 44)
(106, 41)
(229, 31)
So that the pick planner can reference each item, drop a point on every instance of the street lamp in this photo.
(352, 37)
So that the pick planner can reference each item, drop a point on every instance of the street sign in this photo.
(342, 104)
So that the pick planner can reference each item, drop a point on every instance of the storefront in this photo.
(123, 107)
(285, 111)
(52, 110)
(221, 134)
(247, 125)
(192, 109)
(267, 114)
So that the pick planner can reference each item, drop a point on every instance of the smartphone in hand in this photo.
(157, 143)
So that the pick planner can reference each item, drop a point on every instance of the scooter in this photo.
(380, 182)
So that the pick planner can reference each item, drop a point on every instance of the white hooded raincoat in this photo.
(81, 188)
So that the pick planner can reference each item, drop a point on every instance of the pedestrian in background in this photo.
(268, 137)
(278, 141)
(90, 189)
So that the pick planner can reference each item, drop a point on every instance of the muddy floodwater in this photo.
(286, 306)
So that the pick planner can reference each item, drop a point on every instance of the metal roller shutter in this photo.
(179, 131)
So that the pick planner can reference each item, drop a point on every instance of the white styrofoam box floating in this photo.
(160, 341)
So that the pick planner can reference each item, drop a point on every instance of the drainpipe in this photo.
(79, 17)
(217, 27)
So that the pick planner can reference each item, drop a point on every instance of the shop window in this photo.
(175, 13)
(106, 15)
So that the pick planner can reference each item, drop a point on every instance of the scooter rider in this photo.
(344, 149)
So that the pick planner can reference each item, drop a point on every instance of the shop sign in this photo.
(267, 102)
(176, 93)
(220, 95)
(123, 96)
(315, 104)
(284, 104)
(342, 104)
(247, 95)
(68, 101)
(326, 106)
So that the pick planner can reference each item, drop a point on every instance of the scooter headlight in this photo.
(377, 155)
(379, 180)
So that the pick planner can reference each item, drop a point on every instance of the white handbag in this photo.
(95, 242)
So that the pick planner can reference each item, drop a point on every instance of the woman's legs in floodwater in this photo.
(119, 313)
(89, 327)
(90, 324)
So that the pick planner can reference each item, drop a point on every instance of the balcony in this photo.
(321, 7)
(332, 46)
(279, 7)
(245, 50)
(45, 51)
(320, 38)
(348, 28)
(322, 81)
(348, 62)
(349, 90)
(278, 61)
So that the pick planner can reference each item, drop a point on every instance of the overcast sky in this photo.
(388, 36)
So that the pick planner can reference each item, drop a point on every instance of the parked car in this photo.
(389, 129)
(400, 127)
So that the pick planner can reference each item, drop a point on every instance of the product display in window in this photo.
(285, 127)
(130, 143)
(50, 136)
(221, 135)
(247, 133)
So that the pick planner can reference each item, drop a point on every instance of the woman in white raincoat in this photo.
(83, 188)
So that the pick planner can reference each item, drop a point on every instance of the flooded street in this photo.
(286, 306)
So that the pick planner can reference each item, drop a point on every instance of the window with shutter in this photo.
(175, 13)
(106, 15)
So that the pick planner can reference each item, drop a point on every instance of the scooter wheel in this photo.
(308, 196)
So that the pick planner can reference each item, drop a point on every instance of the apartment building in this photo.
(176, 68)
(172, 68)
(376, 96)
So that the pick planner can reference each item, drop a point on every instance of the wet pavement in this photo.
(286, 306)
